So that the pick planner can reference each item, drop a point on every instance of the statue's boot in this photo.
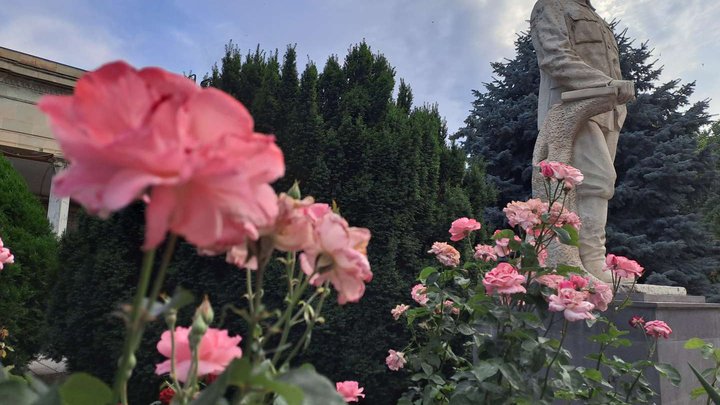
(592, 211)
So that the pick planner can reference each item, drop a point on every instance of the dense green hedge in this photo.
(24, 285)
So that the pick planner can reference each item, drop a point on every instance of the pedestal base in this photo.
(688, 316)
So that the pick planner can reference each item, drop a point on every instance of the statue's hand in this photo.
(626, 90)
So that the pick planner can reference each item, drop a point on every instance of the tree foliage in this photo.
(664, 178)
(24, 285)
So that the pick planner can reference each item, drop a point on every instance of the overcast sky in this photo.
(442, 48)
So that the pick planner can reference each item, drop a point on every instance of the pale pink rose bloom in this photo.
(127, 131)
(601, 295)
(238, 255)
(622, 266)
(657, 329)
(525, 214)
(5, 256)
(460, 228)
(504, 279)
(217, 349)
(550, 280)
(572, 303)
(350, 391)
(293, 229)
(446, 254)
(395, 360)
(340, 256)
(560, 216)
(399, 310)
(418, 294)
(636, 321)
(450, 305)
(485, 253)
(561, 172)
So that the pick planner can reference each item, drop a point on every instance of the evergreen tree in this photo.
(664, 179)
(25, 284)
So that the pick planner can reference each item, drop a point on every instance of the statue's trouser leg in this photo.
(593, 154)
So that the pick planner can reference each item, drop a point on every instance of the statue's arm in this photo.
(557, 57)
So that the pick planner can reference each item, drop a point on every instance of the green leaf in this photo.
(425, 273)
(563, 236)
(84, 389)
(511, 374)
(694, 343)
(237, 373)
(697, 392)
(17, 393)
(505, 233)
(316, 388)
(573, 234)
(592, 374)
(465, 329)
(484, 370)
(51, 397)
(670, 372)
(712, 392)
(564, 270)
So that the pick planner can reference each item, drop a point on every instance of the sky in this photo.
(441, 48)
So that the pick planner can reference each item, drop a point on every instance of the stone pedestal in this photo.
(688, 316)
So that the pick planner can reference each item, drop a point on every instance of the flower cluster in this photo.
(6, 257)
(504, 279)
(576, 297)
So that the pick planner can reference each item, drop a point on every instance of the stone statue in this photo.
(580, 113)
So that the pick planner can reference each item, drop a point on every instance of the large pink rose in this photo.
(446, 254)
(561, 172)
(657, 329)
(622, 267)
(550, 280)
(5, 256)
(340, 256)
(129, 133)
(462, 227)
(217, 349)
(395, 360)
(572, 303)
(350, 390)
(601, 295)
(504, 279)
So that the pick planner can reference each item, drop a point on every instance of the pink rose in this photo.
(601, 295)
(542, 257)
(622, 267)
(339, 256)
(550, 280)
(657, 329)
(238, 255)
(418, 294)
(572, 303)
(502, 245)
(578, 282)
(446, 254)
(504, 279)
(462, 227)
(560, 216)
(5, 256)
(527, 214)
(294, 228)
(485, 253)
(399, 310)
(395, 360)
(216, 351)
(561, 172)
(127, 131)
(636, 321)
(350, 391)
